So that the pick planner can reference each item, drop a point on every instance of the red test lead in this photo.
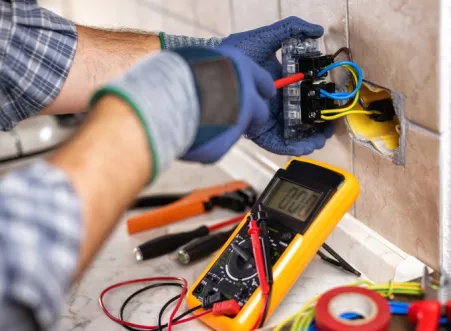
(254, 233)
(288, 80)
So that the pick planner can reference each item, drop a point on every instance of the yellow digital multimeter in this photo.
(304, 202)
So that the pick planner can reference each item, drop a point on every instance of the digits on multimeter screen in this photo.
(292, 199)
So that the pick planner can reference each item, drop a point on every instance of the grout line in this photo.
(164, 11)
(354, 207)
(445, 145)
(420, 128)
(232, 16)
(195, 10)
(17, 142)
(348, 33)
(279, 9)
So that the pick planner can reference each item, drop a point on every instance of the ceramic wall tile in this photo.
(114, 14)
(214, 15)
(173, 25)
(338, 149)
(251, 14)
(401, 203)
(182, 8)
(396, 43)
(330, 14)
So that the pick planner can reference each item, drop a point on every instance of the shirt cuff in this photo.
(40, 236)
(39, 47)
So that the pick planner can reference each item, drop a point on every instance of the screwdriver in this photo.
(169, 243)
(202, 247)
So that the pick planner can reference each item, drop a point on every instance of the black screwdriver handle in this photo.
(168, 243)
(203, 247)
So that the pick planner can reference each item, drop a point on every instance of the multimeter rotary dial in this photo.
(241, 264)
(234, 274)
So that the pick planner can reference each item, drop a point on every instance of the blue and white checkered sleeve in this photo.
(40, 235)
(37, 48)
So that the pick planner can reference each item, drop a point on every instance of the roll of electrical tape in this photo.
(370, 305)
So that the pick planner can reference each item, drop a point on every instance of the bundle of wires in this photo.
(357, 75)
(303, 319)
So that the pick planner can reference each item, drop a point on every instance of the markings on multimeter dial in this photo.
(234, 273)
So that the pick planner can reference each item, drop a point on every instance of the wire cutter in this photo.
(236, 196)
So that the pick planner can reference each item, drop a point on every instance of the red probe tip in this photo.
(289, 80)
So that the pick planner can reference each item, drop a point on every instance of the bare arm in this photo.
(107, 170)
(100, 56)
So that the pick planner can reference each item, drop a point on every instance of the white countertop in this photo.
(115, 263)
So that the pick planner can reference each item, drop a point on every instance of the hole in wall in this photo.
(383, 133)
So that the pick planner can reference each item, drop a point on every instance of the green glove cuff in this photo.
(161, 36)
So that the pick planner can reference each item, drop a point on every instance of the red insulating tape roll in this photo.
(350, 299)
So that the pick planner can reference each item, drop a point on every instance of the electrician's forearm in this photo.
(108, 163)
(100, 56)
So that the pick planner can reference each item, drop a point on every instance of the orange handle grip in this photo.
(191, 205)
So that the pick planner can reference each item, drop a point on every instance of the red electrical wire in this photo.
(288, 80)
(152, 279)
(254, 232)
(231, 221)
(260, 317)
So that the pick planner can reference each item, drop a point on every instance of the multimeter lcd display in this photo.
(293, 200)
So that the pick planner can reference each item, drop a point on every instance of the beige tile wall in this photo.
(396, 43)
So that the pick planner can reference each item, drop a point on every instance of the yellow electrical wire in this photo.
(342, 114)
(354, 102)
(303, 310)
(304, 317)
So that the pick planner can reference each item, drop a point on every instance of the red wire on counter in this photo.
(288, 80)
(152, 279)
(231, 221)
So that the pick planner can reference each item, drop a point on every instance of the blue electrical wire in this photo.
(396, 308)
(342, 95)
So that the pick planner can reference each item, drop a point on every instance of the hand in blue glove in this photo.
(194, 103)
(242, 100)
(261, 45)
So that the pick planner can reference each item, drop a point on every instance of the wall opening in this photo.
(383, 133)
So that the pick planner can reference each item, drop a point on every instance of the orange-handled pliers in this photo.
(234, 195)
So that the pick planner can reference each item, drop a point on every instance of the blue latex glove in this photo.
(256, 87)
(261, 45)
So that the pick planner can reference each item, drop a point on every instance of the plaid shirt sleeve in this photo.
(37, 48)
(40, 235)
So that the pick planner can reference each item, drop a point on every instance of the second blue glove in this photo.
(233, 92)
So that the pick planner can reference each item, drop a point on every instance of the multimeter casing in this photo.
(339, 191)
